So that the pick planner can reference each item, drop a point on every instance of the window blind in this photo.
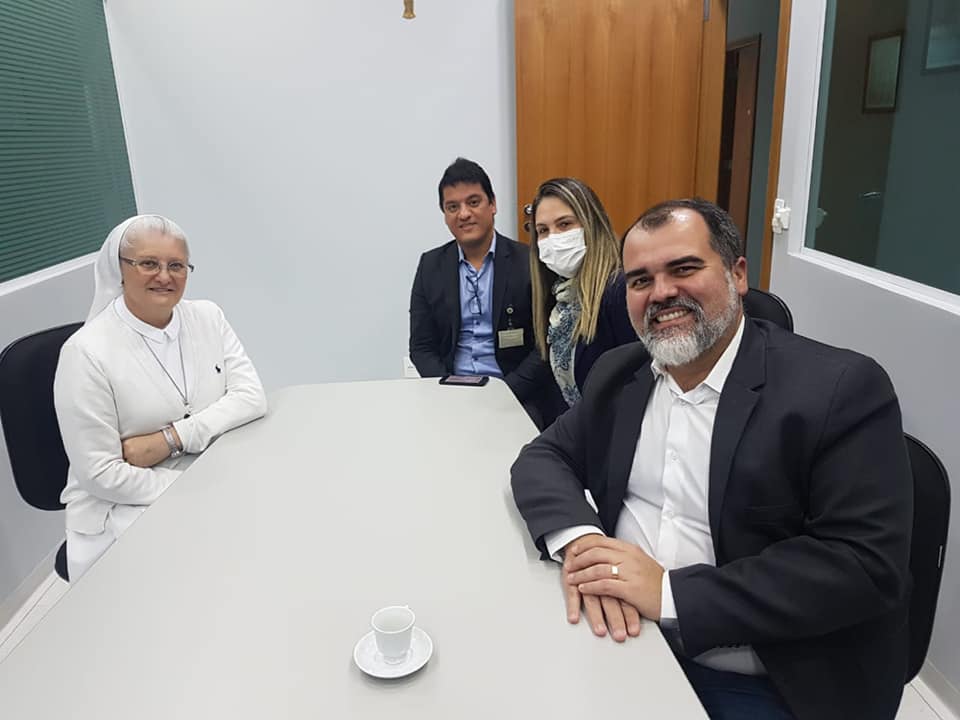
(64, 172)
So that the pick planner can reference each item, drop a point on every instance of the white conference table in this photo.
(242, 592)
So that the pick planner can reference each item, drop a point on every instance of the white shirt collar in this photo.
(721, 369)
(168, 334)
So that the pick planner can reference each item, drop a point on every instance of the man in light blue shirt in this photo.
(470, 304)
(475, 354)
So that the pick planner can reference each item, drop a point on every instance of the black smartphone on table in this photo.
(465, 380)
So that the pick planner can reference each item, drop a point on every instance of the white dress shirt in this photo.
(665, 508)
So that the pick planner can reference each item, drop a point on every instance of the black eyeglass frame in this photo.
(474, 287)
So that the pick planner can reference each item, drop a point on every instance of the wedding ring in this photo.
(615, 570)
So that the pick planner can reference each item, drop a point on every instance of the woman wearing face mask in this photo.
(144, 386)
(579, 295)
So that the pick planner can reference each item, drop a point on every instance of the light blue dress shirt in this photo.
(476, 349)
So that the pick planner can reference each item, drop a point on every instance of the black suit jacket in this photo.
(435, 315)
(810, 506)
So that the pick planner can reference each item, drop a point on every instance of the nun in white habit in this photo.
(144, 386)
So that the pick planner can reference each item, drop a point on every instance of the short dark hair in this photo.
(724, 237)
(462, 170)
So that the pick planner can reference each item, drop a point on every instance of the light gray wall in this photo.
(918, 346)
(300, 145)
(27, 535)
(918, 231)
(915, 341)
(745, 19)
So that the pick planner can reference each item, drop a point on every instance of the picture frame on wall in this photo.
(883, 72)
(942, 41)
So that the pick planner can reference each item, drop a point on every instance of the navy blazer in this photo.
(613, 330)
(810, 505)
(435, 315)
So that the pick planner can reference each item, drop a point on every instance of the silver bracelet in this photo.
(175, 449)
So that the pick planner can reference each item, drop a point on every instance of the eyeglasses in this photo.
(474, 289)
(150, 266)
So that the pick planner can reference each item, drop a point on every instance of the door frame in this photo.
(776, 134)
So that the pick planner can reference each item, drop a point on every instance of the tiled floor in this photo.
(32, 612)
(918, 701)
(914, 707)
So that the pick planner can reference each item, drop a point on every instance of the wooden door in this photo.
(624, 94)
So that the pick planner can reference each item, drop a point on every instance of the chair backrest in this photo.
(931, 517)
(765, 305)
(30, 428)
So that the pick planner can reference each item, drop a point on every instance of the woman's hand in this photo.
(146, 450)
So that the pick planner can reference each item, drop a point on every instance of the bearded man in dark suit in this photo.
(752, 488)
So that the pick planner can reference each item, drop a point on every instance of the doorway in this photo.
(740, 79)
(755, 46)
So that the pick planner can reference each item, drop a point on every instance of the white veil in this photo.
(107, 280)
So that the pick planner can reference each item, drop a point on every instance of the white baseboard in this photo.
(16, 600)
(937, 692)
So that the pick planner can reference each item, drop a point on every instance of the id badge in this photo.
(510, 338)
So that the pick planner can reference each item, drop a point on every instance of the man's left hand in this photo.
(637, 579)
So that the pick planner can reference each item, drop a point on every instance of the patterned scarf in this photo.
(563, 318)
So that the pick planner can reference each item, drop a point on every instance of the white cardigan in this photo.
(109, 387)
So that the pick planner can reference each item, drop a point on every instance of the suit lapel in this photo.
(451, 273)
(501, 276)
(623, 444)
(736, 404)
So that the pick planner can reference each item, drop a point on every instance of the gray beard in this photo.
(678, 347)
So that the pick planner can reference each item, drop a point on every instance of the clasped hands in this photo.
(613, 599)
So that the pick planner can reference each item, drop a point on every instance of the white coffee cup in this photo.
(393, 629)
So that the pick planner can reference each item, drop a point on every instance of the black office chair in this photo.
(767, 306)
(931, 518)
(30, 428)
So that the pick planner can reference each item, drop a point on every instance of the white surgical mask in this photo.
(563, 252)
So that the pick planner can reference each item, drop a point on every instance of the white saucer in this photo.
(369, 659)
